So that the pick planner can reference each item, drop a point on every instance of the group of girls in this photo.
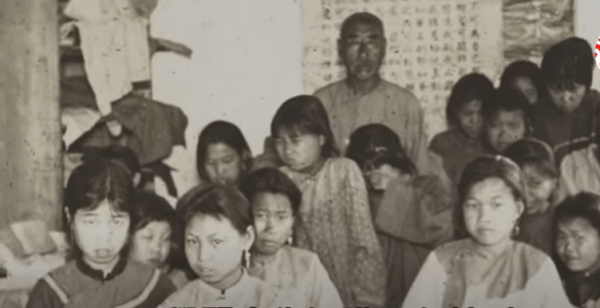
(313, 228)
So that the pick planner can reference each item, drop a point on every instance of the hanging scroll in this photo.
(431, 43)
(531, 26)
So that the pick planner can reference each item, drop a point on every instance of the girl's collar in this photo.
(312, 176)
(261, 259)
(99, 274)
(237, 288)
(491, 252)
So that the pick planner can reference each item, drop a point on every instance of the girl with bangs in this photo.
(335, 220)
(98, 207)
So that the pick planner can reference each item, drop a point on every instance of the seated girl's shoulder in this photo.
(452, 249)
(304, 257)
(530, 253)
(68, 269)
(526, 255)
(444, 139)
(342, 164)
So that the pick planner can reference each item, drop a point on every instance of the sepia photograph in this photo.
(300, 153)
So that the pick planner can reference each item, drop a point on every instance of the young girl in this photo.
(507, 118)
(275, 201)
(462, 142)
(577, 223)
(152, 222)
(218, 234)
(335, 222)
(567, 118)
(98, 209)
(542, 191)
(487, 268)
(412, 213)
(222, 157)
(524, 76)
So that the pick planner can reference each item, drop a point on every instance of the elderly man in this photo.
(363, 97)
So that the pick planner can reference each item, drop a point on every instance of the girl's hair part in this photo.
(226, 133)
(305, 114)
(567, 62)
(118, 154)
(219, 202)
(470, 87)
(89, 185)
(584, 205)
(533, 153)
(521, 68)
(271, 180)
(479, 170)
(98, 180)
(149, 207)
(373, 142)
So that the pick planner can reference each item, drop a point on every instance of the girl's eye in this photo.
(89, 221)
(496, 204)
(534, 184)
(191, 241)
(282, 217)
(118, 222)
(278, 141)
(217, 241)
(470, 205)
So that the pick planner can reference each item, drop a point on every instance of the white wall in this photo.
(246, 61)
(587, 26)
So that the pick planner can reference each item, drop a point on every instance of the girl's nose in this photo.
(269, 225)
(484, 214)
(567, 96)
(155, 246)
(204, 254)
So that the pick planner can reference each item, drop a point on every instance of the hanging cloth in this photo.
(114, 42)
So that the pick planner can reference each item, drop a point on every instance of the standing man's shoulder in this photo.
(399, 93)
(329, 93)
(333, 87)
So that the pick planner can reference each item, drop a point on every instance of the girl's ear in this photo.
(322, 140)
(520, 208)
(137, 178)
(246, 158)
(249, 237)
(68, 215)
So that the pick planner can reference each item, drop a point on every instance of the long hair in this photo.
(305, 114)
(375, 144)
(226, 133)
(470, 87)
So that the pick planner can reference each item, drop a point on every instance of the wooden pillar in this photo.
(30, 135)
